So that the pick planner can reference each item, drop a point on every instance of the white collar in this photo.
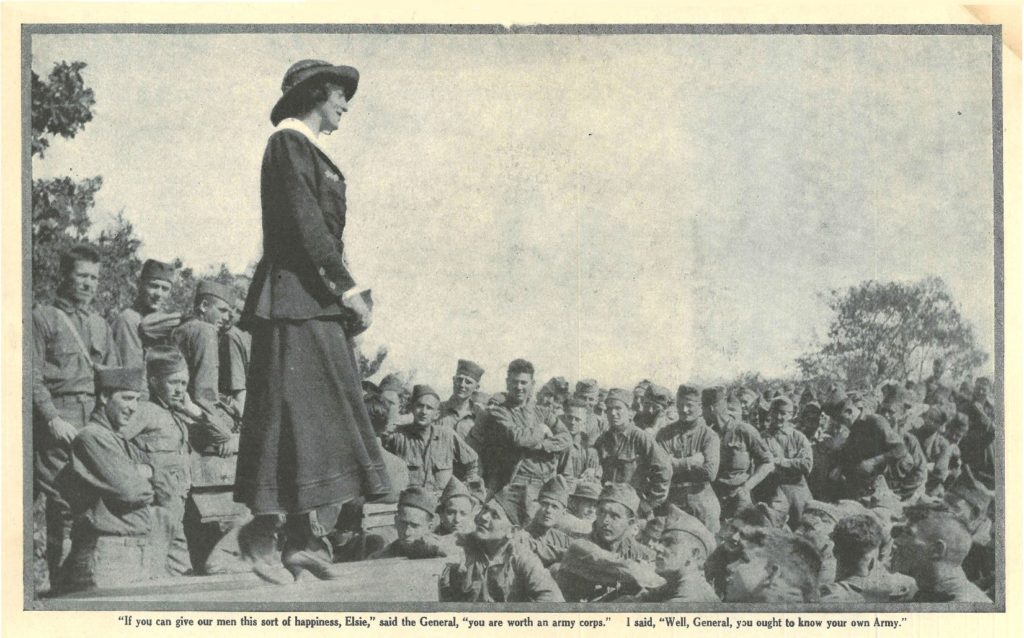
(296, 124)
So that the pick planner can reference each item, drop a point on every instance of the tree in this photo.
(119, 248)
(893, 331)
(60, 106)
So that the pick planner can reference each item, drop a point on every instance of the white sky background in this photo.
(613, 206)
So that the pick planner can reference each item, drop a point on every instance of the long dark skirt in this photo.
(306, 438)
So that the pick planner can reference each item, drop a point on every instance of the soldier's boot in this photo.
(308, 550)
(257, 545)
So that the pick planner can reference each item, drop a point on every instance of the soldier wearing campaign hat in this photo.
(694, 450)
(459, 412)
(108, 484)
(434, 453)
(145, 324)
(631, 455)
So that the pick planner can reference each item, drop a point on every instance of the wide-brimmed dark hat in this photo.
(306, 70)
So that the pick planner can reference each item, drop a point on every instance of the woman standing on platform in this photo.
(307, 446)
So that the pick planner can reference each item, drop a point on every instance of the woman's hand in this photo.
(357, 304)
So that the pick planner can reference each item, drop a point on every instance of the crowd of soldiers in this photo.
(558, 493)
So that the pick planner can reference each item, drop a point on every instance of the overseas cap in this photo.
(679, 521)
(220, 291)
(618, 394)
(557, 489)
(455, 488)
(511, 501)
(164, 360)
(587, 490)
(154, 269)
(420, 391)
(623, 494)
(688, 391)
(416, 496)
(469, 369)
(659, 394)
(120, 379)
(587, 386)
(713, 395)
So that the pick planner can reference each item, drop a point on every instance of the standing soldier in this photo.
(694, 449)
(69, 342)
(978, 445)
(657, 409)
(199, 340)
(786, 488)
(744, 458)
(233, 360)
(109, 487)
(869, 448)
(580, 461)
(145, 325)
(519, 443)
(459, 412)
(589, 392)
(630, 455)
(432, 452)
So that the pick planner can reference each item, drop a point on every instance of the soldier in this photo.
(860, 574)
(144, 325)
(498, 567)
(730, 542)
(546, 540)
(554, 394)
(750, 402)
(869, 448)
(233, 359)
(69, 340)
(744, 457)
(682, 549)
(938, 451)
(432, 452)
(908, 474)
(631, 455)
(970, 500)
(519, 443)
(580, 461)
(198, 338)
(931, 548)
(776, 567)
(414, 523)
(938, 380)
(589, 392)
(579, 520)
(458, 507)
(657, 409)
(786, 488)
(459, 412)
(978, 445)
(109, 487)
(609, 563)
(694, 450)
(816, 525)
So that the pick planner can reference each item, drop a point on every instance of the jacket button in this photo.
(323, 271)
(331, 284)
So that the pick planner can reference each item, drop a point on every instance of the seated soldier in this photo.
(816, 525)
(545, 539)
(931, 547)
(608, 563)
(729, 547)
(579, 520)
(861, 575)
(107, 484)
(681, 551)
(775, 566)
(938, 451)
(414, 523)
(498, 567)
(580, 461)
(432, 452)
(906, 476)
(455, 513)
(971, 500)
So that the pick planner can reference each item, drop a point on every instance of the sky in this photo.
(621, 207)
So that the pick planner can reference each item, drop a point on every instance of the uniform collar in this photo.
(66, 305)
(449, 407)
(295, 124)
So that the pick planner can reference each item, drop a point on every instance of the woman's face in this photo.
(331, 110)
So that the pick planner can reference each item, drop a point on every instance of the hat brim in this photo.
(346, 76)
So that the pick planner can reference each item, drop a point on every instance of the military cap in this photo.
(621, 493)
(971, 490)
(747, 395)
(420, 391)
(556, 489)
(822, 509)
(120, 379)
(659, 394)
(623, 396)
(164, 360)
(520, 366)
(679, 521)
(587, 387)
(713, 395)
(418, 497)
(392, 383)
(511, 501)
(469, 369)
(781, 401)
(557, 386)
(688, 391)
(154, 269)
(587, 490)
(455, 488)
(214, 289)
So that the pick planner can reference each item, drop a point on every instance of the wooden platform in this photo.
(387, 580)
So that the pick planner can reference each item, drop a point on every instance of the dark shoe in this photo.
(314, 563)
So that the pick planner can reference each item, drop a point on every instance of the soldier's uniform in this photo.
(580, 461)
(742, 451)
(953, 589)
(462, 418)
(633, 457)
(433, 455)
(513, 575)
(662, 397)
(199, 342)
(235, 348)
(870, 437)
(111, 496)
(680, 587)
(880, 586)
(786, 487)
(68, 342)
(977, 448)
(549, 543)
(907, 476)
(596, 423)
(691, 483)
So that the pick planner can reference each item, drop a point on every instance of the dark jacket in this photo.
(302, 273)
